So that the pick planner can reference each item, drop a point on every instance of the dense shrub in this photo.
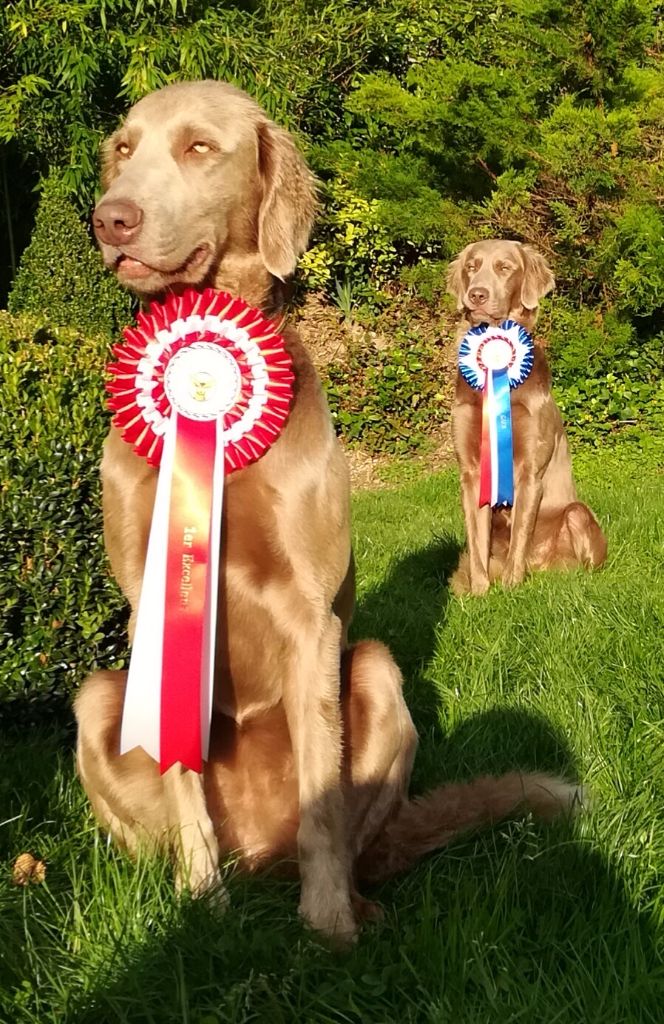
(389, 399)
(60, 614)
(634, 249)
(609, 383)
(428, 124)
(62, 280)
(519, 153)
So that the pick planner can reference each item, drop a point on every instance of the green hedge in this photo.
(61, 613)
(390, 400)
(62, 280)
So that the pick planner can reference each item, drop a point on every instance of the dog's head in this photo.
(495, 280)
(199, 183)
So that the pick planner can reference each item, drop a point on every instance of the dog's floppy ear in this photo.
(455, 285)
(537, 277)
(288, 205)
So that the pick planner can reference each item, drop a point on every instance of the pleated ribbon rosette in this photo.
(202, 386)
(493, 360)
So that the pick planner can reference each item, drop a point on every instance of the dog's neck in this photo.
(241, 269)
(245, 275)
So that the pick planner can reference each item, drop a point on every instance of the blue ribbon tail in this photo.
(503, 421)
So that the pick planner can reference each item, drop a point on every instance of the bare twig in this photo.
(485, 167)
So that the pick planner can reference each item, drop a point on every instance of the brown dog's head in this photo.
(201, 188)
(495, 280)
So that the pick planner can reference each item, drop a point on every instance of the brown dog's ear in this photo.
(455, 285)
(537, 277)
(288, 206)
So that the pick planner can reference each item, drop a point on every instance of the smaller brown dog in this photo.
(494, 281)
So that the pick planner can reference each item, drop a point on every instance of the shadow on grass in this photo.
(51, 711)
(491, 743)
(407, 610)
(519, 923)
(30, 760)
(409, 605)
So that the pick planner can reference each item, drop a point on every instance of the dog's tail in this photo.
(432, 821)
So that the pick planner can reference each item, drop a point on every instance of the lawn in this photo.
(524, 923)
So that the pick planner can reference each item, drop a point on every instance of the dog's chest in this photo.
(256, 595)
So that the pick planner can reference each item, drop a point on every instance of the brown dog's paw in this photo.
(217, 898)
(461, 585)
(203, 884)
(512, 576)
(460, 582)
(330, 916)
(480, 587)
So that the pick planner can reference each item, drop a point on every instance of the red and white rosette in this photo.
(202, 386)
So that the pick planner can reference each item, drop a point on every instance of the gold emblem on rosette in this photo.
(201, 385)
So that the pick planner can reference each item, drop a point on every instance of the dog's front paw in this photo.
(461, 583)
(479, 586)
(329, 914)
(513, 575)
(212, 891)
(203, 881)
(216, 896)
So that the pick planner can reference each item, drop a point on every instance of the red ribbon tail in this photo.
(187, 566)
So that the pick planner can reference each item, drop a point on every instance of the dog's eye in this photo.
(471, 267)
(200, 147)
(122, 149)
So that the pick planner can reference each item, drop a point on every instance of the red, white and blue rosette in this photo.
(493, 360)
(202, 386)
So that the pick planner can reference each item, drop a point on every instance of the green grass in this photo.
(523, 923)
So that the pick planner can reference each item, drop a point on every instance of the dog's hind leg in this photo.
(379, 747)
(194, 840)
(131, 799)
(379, 740)
(125, 792)
(581, 537)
